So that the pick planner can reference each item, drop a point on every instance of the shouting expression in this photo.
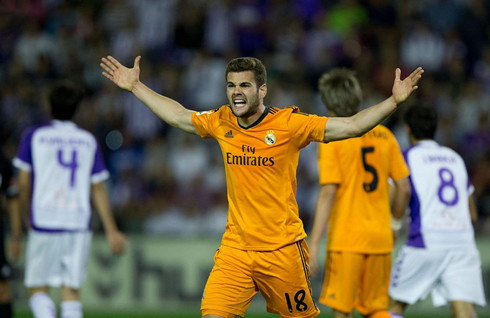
(244, 96)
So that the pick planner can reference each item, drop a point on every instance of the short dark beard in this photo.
(252, 110)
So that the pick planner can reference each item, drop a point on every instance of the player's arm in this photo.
(339, 128)
(11, 190)
(24, 183)
(391, 191)
(326, 198)
(15, 226)
(15, 218)
(166, 108)
(401, 197)
(473, 210)
(101, 202)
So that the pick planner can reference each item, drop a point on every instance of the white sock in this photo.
(71, 309)
(393, 315)
(42, 306)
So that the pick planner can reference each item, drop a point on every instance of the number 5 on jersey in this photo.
(373, 185)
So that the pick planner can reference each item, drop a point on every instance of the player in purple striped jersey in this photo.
(440, 256)
(60, 171)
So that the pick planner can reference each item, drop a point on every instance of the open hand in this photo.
(313, 263)
(314, 268)
(125, 78)
(403, 89)
(117, 241)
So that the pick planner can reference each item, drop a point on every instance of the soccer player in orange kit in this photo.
(354, 201)
(263, 247)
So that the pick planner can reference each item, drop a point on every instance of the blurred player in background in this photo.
(263, 247)
(354, 201)
(440, 255)
(8, 195)
(60, 169)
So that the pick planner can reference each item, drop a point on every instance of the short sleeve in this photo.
(469, 186)
(398, 166)
(305, 128)
(202, 121)
(328, 164)
(23, 160)
(99, 170)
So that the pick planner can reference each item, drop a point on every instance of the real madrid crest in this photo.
(270, 138)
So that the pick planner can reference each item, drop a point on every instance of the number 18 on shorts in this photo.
(282, 276)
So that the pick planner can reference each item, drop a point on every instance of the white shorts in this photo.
(57, 259)
(449, 275)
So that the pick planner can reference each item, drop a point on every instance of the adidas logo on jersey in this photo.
(229, 134)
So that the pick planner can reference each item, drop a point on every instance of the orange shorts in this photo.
(354, 280)
(282, 276)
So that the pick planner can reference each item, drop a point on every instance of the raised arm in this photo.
(339, 128)
(166, 108)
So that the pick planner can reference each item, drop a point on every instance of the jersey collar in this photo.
(258, 121)
(63, 123)
(427, 142)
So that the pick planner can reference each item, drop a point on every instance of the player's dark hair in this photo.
(422, 121)
(64, 98)
(243, 64)
(341, 92)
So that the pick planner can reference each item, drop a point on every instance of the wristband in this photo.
(396, 225)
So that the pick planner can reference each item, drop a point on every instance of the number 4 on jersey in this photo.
(72, 165)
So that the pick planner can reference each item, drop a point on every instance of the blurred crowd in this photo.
(164, 181)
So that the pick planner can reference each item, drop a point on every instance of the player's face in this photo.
(243, 94)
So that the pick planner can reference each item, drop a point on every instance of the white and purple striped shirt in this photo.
(439, 208)
(64, 160)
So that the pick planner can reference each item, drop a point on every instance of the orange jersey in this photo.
(360, 217)
(260, 165)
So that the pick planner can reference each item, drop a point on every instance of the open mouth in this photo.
(238, 103)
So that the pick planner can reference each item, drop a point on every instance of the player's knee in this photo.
(396, 307)
(462, 309)
(70, 294)
(4, 292)
(42, 289)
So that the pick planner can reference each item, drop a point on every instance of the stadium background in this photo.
(168, 188)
